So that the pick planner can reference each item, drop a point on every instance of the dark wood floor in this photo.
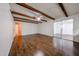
(46, 44)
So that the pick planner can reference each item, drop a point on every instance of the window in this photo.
(64, 29)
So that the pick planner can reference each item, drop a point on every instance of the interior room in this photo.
(39, 29)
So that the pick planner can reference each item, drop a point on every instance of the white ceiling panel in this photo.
(72, 8)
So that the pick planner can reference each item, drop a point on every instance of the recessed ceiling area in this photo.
(47, 11)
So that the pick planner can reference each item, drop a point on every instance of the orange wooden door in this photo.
(19, 34)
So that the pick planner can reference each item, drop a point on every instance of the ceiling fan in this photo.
(40, 18)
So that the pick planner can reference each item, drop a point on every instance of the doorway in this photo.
(18, 31)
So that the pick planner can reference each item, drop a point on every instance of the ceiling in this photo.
(72, 8)
(51, 9)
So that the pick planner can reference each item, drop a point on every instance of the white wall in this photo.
(42, 28)
(76, 25)
(46, 28)
(76, 28)
(68, 27)
(29, 28)
(6, 29)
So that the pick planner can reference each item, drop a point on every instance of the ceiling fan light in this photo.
(38, 19)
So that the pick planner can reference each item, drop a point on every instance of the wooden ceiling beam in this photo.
(44, 20)
(19, 20)
(26, 20)
(14, 12)
(35, 10)
(63, 9)
(17, 13)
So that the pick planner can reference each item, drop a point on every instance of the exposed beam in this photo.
(26, 20)
(35, 10)
(63, 9)
(19, 20)
(14, 12)
(44, 20)
(21, 14)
